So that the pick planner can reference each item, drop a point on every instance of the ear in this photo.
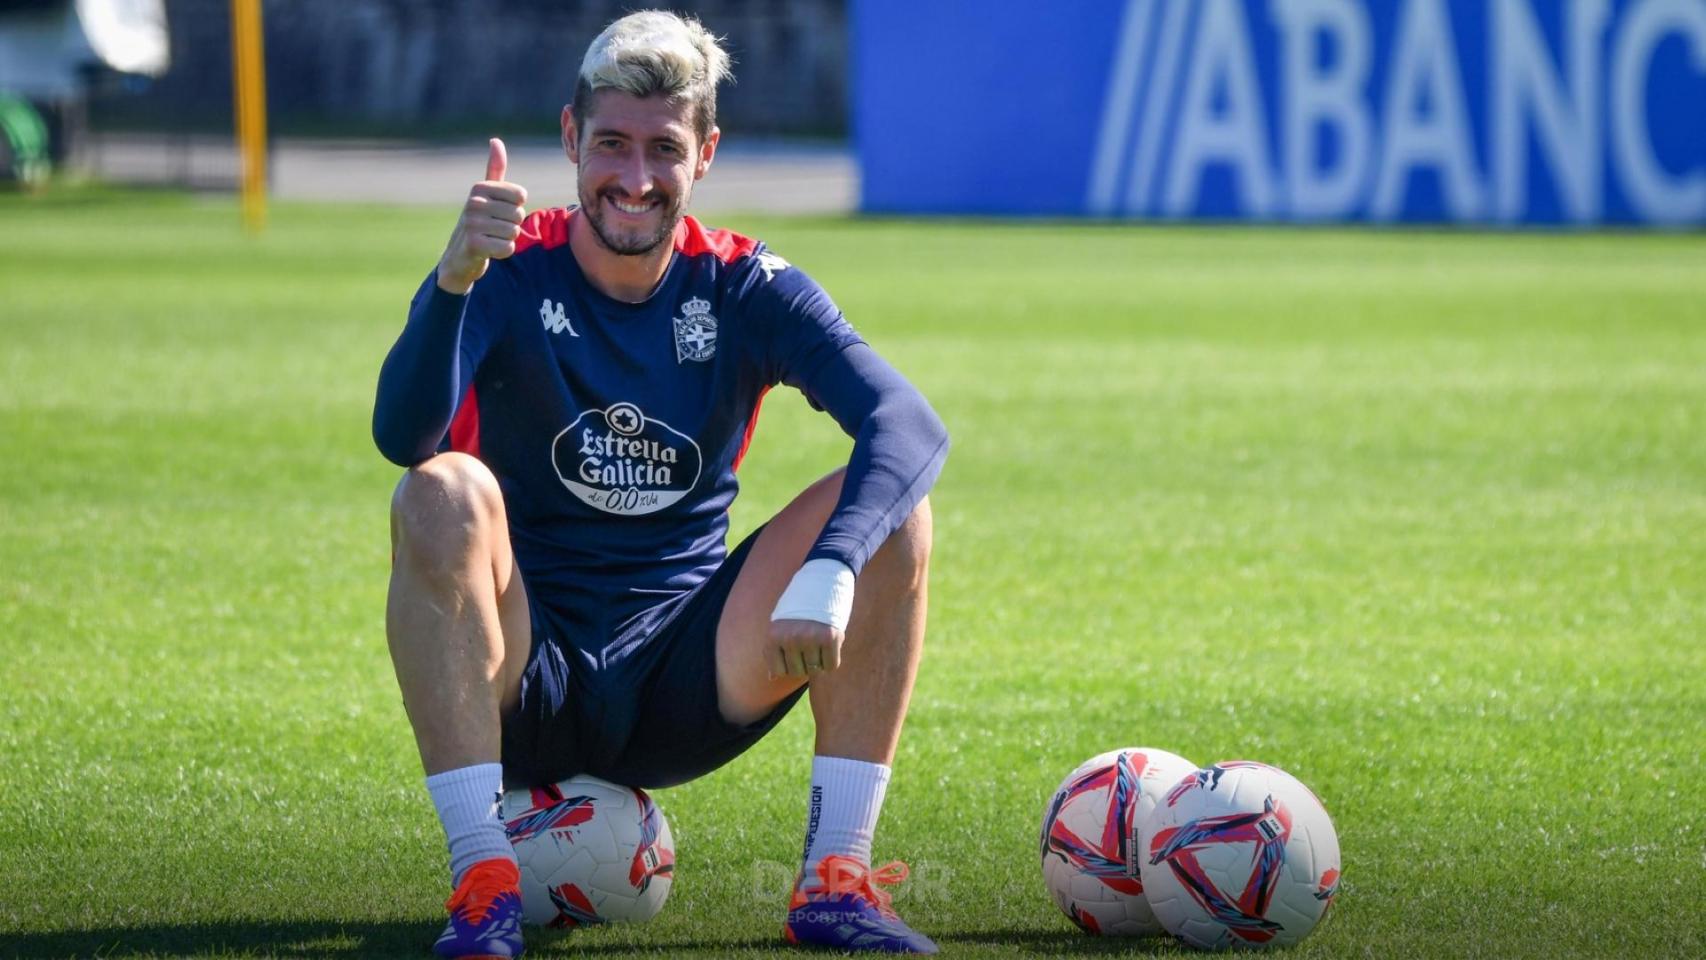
(707, 150)
(571, 136)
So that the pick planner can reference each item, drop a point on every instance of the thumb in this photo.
(497, 162)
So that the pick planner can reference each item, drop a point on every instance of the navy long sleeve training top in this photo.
(615, 428)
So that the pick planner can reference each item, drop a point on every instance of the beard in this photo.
(631, 241)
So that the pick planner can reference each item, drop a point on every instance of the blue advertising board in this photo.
(1572, 112)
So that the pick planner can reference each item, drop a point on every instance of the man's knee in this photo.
(446, 505)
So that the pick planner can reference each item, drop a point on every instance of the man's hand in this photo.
(490, 223)
(810, 619)
(803, 648)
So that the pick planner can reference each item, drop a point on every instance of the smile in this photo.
(631, 208)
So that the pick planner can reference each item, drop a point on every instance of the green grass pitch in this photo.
(1420, 517)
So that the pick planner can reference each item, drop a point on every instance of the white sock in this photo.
(846, 798)
(467, 802)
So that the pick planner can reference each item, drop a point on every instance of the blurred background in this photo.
(1576, 112)
(378, 99)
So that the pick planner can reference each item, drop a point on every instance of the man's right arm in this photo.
(428, 369)
(422, 379)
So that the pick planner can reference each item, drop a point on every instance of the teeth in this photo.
(631, 208)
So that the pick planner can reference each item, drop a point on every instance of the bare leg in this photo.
(456, 618)
(860, 706)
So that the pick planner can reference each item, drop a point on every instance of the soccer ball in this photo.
(1239, 854)
(590, 852)
(1089, 841)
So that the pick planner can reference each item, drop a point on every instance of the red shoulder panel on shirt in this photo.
(544, 228)
(693, 238)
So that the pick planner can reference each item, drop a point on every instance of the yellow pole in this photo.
(249, 80)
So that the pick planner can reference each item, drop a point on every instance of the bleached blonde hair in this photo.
(655, 53)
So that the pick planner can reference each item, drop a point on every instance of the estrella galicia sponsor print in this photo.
(620, 461)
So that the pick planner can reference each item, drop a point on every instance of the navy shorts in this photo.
(651, 722)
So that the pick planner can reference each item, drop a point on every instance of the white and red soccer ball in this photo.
(590, 852)
(1239, 854)
(1235, 854)
(1089, 838)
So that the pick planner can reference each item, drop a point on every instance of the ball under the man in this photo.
(590, 852)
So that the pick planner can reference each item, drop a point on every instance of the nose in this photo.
(636, 176)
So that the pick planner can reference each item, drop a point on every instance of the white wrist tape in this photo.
(822, 590)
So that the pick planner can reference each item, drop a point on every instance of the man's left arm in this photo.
(899, 446)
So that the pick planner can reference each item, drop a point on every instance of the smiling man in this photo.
(572, 393)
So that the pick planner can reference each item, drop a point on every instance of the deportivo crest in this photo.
(695, 332)
(620, 461)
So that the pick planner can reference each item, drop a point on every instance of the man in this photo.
(571, 394)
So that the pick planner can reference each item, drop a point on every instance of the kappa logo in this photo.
(771, 264)
(695, 332)
(555, 317)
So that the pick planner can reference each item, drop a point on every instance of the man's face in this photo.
(637, 158)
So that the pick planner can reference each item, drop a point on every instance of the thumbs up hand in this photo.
(488, 227)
